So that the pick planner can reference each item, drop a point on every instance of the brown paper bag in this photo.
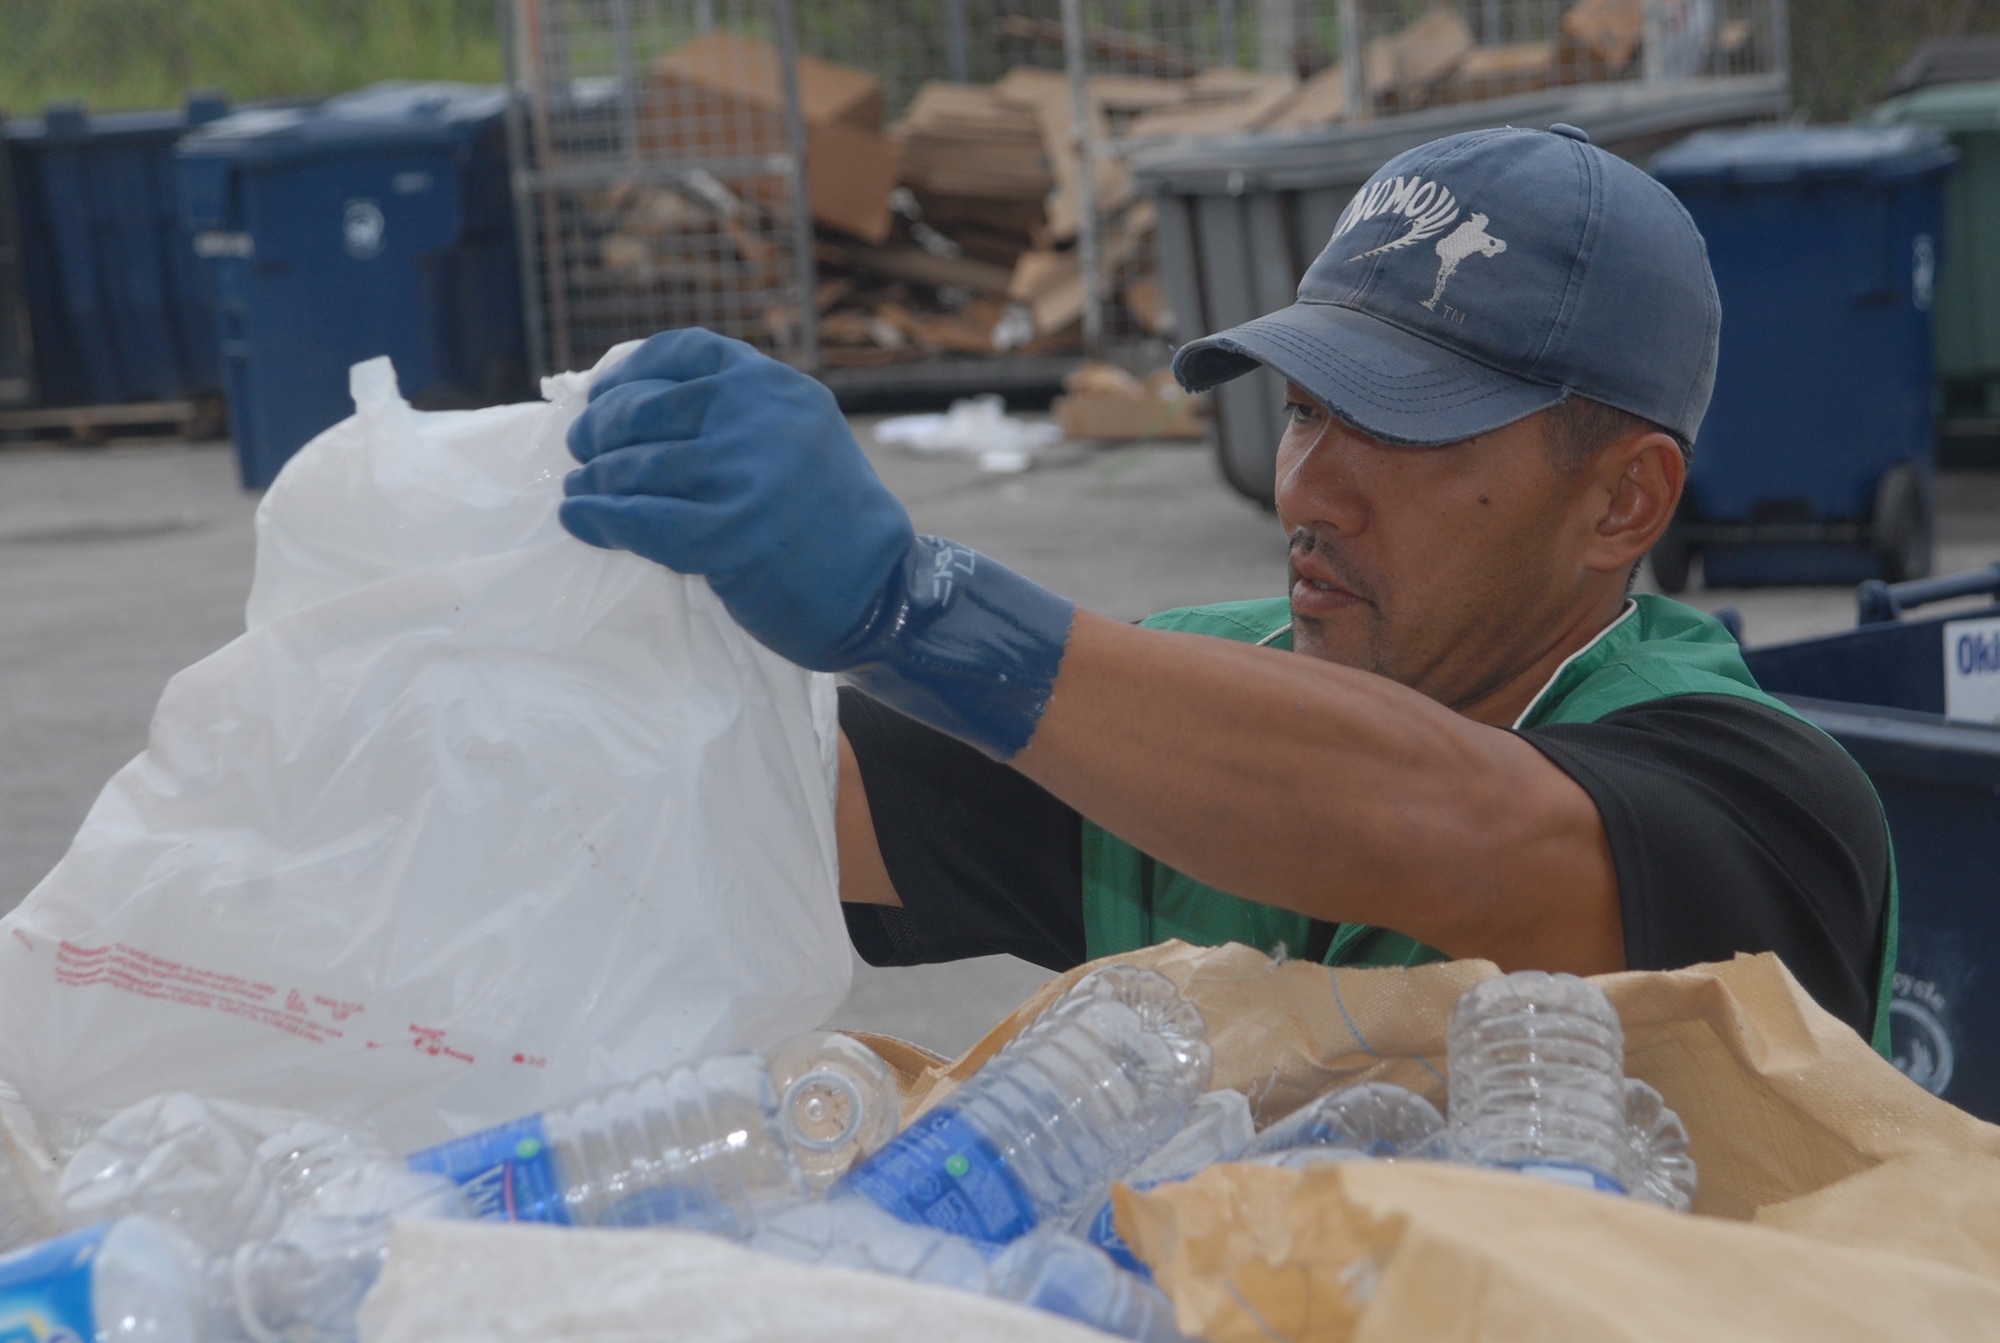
(1417, 1250)
(1871, 1195)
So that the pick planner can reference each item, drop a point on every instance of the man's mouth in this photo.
(1317, 590)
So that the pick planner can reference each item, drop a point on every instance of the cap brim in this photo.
(1389, 384)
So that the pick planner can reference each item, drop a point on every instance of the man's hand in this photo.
(710, 458)
(706, 456)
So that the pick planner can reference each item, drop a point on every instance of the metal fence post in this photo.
(1089, 254)
(628, 91)
(1653, 45)
(958, 61)
(532, 316)
(1353, 61)
(1781, 40)
(542, 157)
(804, 273)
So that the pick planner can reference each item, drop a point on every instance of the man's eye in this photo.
(1298, 412)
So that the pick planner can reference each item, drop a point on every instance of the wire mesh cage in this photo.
(866, 183)
(659, 171)
(1012, 117)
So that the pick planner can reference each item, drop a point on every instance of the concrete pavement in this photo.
(121, 565)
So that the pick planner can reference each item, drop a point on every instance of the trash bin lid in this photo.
(395, 113)
(1786, 154)
(69, 122)
(1949, 107)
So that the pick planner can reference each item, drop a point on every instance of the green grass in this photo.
(146, 53)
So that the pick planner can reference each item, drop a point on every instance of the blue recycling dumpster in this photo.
(1917, 703)
(1816, 461)
(377, 223)
(115, 300)
(17, 376)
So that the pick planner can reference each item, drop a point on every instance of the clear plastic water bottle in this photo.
(27, 1212)
(701, 1147)
(1658, 1167)
(218, 1221)
(1313, 1154)
(1100, 1079)
(304, 1285)
(1047, 1269)
(1537, 1066)
(223, 1173)
(854, 1233)
(1054, 1271)
(1219, 1127)
(140, 1277)
(176, 1157)
(1376, 1119)
(135, 1278)
(837, 1100)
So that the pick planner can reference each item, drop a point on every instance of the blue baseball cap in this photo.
(1483, 277)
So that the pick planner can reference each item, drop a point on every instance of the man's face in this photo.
(1449, 569)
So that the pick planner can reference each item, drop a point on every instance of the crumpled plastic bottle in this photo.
(1099, 1080)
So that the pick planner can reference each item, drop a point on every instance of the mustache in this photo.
(1304, 541)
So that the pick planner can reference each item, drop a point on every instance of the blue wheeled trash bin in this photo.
(1917, 703)
(377, 223)
(116, 305)
(17, 372)
(1816, 461)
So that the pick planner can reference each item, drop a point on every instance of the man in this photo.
(1456, 736)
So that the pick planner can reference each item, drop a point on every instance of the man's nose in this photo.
(1317, 484)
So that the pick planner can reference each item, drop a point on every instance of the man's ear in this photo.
(1639, 479)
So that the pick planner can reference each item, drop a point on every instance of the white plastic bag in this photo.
(481, 1282)
(471, 818)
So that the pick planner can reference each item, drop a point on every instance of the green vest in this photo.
(1656, 649)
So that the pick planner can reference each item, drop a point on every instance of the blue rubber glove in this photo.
(707, 457)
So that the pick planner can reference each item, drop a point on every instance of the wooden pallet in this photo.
(196, 419)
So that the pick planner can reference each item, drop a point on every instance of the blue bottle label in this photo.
(1563, 1172)
(942, 1172)
(45, 1290)
(508, 1173)
(1103, 1233)
(1324, 1134)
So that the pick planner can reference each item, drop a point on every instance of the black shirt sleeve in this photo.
(1735, 827)
(984, 859)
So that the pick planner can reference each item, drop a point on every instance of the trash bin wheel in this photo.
(1669, 558)
(1900, 529)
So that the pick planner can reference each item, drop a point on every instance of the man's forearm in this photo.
(1340, 794)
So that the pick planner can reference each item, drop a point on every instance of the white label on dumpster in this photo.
(361, 229)
(1972, 670)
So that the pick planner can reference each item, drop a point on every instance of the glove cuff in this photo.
(961, 642)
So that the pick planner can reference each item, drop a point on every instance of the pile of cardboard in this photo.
(1104, 401)
(954, 231)
(985, 257)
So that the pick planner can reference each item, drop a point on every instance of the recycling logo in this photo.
(1919, 1044)
(361, 229)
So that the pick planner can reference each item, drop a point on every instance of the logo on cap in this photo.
(1468, 239)
(1430, 209)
